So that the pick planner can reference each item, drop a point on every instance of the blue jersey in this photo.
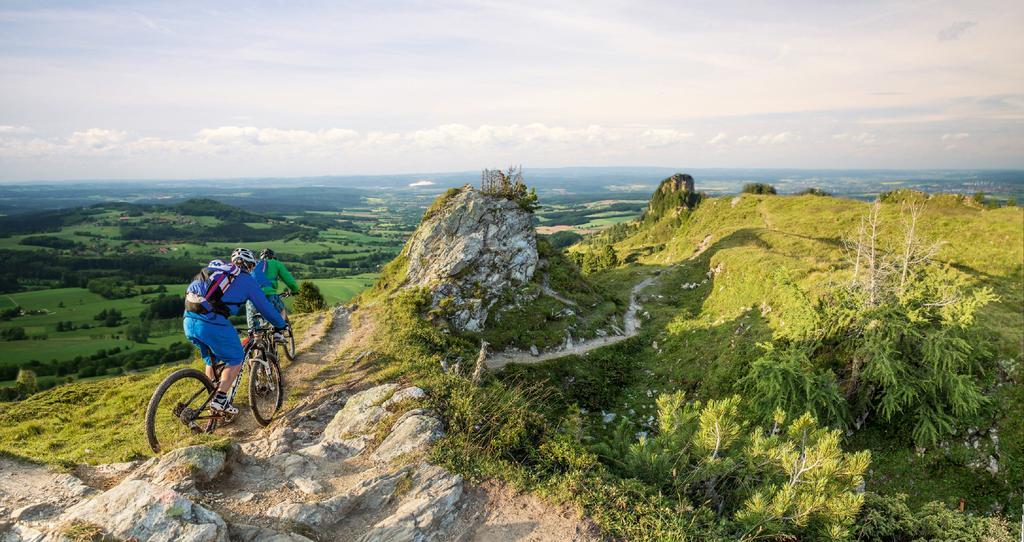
(243, 288)
(261, 278)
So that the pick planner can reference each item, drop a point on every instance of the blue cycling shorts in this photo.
(215, 341)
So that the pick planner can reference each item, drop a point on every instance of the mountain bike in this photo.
(179, 408)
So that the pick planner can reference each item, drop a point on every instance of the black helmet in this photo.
(267, 254)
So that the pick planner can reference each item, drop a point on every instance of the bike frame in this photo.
(249, 347)
(219, 370)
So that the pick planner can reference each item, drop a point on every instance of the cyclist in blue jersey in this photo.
(218, 292)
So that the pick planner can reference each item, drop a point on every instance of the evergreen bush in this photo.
(759, 188)
(309, 299)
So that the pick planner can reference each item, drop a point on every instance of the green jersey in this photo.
(273, 270)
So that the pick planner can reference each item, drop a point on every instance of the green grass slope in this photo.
(761, 263)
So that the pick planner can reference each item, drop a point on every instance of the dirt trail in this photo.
(632, 325)
(494, 512)
(318, 347)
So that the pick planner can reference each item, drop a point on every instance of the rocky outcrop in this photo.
(673, 195)
(186, 466)
(680, 182)
(142, 510)
(471, 250)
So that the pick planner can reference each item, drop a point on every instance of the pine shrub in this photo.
(309, 299)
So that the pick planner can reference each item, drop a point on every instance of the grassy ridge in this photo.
(769, 258)
(764, 261)
(755, 237)
(80, 305)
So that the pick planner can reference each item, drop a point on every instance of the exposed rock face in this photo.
(190, 465)
(430, 506)
(141, 510)
(673, 195)
(676, 183)
(360, 413)
(470, 251)
(414, 431)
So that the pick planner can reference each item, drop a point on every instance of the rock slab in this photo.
(470, 250)
(140, 510)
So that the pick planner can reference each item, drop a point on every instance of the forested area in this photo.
(27, 269)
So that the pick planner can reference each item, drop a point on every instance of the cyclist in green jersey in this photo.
(268, 271)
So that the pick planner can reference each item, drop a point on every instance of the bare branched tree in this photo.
(884, 263)
(858, 248)
(872, 264)
(916, 250)
(882, 267)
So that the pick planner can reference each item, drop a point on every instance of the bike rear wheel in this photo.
(176, 412)
(266, 389)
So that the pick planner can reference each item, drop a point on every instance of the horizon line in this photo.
(465, 171)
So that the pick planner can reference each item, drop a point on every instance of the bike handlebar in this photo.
(266, 330)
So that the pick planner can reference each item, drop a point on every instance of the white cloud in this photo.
(423, 100)
(97, 139)
(662, 137)
(243, 140)
(955, 30)
(720, 138)
(315, 143)
(32, 148)
(454, 136)
(955, 137)
(768, 139)
(777, 139)
(7, 129)
(863, 138)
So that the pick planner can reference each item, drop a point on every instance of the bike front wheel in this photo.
(176, 411)
(288, 345)
(266, 390)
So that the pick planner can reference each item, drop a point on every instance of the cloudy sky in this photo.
(136, 89)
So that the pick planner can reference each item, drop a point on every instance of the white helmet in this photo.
(243, 256)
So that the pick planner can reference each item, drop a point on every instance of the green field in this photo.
(79, 306)
(341, 290)
(589, 216)
(597, 223)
